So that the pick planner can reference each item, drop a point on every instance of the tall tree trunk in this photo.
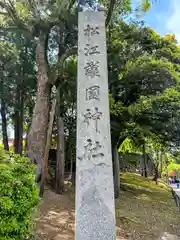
(38, 131)
(71, 166)
(3, 114)
(60, 156)
(156, 169)
(145, 161)
(49, 137)
(26, 139)
(116, 172)
(21, 121)
(115, 144)
(19, 114)
(16, 119)
(142, 166)
(161, 164)
(166, 162)
(69, 155)
(30, 112)
(73, 179)
(156, 175)
(4, 125)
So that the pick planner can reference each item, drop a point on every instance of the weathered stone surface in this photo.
(95, 211)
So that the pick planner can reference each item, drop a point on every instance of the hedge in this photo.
(18, 196)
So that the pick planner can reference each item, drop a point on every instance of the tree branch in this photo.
(71, 4)
(35, 12)
(2, 4)
(60, 63)
(11, 11)
(110, 11)
(46, 47)
(4, 13)
(68, 53)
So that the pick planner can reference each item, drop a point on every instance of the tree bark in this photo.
(156, 169)
(161, 164)
(49, 137)
(26, 139)
(116, 170)
(16, 131)
(73, 179)
(4, 125)
(19, 114)
(30, 112)
(38, 131)
(21, 121)
(71, 167)
(60, 156)
(144, 161)
(141, 165)
(69, 155)
(16, 118)
(156, 175)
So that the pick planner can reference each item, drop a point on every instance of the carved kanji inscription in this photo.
(93, 92)
(92, 69)
(95, 116)
(91, 150)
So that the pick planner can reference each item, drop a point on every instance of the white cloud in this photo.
(173, 23)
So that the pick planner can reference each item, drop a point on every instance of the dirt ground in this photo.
(56, 218)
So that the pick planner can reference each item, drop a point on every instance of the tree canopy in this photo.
(38, 58)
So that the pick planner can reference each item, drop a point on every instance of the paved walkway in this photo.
(177, 190)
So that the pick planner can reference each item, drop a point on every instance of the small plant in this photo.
(18, 196)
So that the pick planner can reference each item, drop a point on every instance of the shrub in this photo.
(18, 196)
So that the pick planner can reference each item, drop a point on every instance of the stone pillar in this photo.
(95, 209)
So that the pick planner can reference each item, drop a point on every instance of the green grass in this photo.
(146, 210)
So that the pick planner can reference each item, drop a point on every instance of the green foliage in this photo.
(18, 196)
(148, 75)
(173, 167)
(129, 146)
(144, 84)
(173, 162)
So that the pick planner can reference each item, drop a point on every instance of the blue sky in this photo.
(163, 17)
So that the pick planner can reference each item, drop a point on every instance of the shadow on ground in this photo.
(56, 219)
